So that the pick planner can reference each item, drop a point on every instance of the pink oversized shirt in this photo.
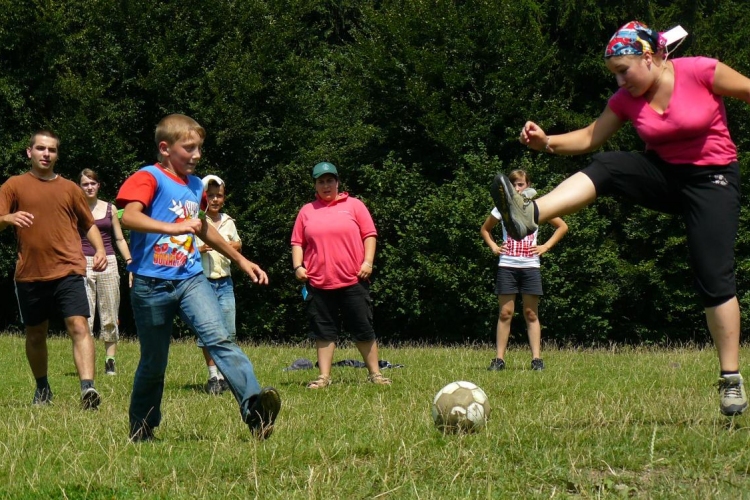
(693, 128)
(332, 239)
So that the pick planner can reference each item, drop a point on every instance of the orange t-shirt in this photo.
(51, 248)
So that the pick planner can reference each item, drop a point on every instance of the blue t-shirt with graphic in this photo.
(162, 255)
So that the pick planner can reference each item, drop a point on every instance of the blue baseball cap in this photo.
(325, 168)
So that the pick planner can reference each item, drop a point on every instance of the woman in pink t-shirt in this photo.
(333, 248)
(689, 168)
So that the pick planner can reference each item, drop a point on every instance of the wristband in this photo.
(546, 146)
(301, 265)
(367, 264)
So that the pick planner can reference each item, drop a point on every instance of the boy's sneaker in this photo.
(42, 396)
(733, 396)
(517, 211)
(109, 367)
(496, 365)
(537, 364)
(224, 385)
(90, 399)
(213, 386)
(263, 412)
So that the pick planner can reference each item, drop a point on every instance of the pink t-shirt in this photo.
(332, 240)
(693, 128)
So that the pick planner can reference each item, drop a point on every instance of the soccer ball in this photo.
(460, 407)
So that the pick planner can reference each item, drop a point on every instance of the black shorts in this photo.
(38, 300)
(327, 309)
(707, 198)
(514, 280)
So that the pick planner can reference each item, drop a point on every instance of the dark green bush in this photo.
(418, 102)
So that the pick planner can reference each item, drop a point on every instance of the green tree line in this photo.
(418, 102)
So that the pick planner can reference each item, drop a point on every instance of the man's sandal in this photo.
(321, 382)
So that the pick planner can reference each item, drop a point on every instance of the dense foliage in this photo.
(418, 102)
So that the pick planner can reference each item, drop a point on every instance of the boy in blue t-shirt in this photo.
(161, 208)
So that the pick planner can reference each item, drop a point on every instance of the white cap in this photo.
(209, 178)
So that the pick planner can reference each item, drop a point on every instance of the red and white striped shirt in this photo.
(517, 253)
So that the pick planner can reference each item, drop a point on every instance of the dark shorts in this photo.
(514, 280)
(39, 300)
(707, 198)
(327, 309)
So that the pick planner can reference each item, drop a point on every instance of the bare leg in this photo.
(570, 196)
(83, 346)
(369, 352)
(36, 348)
(724, 325)
(507, 305)
(207, 357)
(110, 348)
(325, 350)
(533, 327)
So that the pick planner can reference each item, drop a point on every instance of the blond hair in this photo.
(174, 127)
(519, 173)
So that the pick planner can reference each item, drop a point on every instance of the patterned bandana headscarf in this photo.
(634, 38)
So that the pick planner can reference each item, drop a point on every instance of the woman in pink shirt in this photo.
(689, 168)
(333, 247)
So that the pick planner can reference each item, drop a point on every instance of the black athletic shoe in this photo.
(262, 413)
(224, 385)
(213, 386)
(537, 364)
(141, 434)
(109, 367)
(516, 210)
(496, 365)
(90, 399)
(42, 396)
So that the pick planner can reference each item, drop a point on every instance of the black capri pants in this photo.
(352, 305)
(707, 197)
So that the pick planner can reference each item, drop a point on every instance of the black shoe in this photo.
(42, 396)
(537, 364)
(109, 367)
(224, 385)
(496, 365)
(141, 434)
(90, 399)
(263, 412)
(213, 386)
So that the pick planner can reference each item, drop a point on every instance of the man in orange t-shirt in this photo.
(47, 211)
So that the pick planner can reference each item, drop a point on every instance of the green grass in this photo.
(639, 423)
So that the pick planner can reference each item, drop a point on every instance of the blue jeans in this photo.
(224, 290)
(155, 303)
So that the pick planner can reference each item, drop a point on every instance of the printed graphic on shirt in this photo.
(520, 248)
(174, 251)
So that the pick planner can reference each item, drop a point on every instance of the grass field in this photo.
(638, 423)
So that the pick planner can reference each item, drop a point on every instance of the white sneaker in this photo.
(733, 396)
